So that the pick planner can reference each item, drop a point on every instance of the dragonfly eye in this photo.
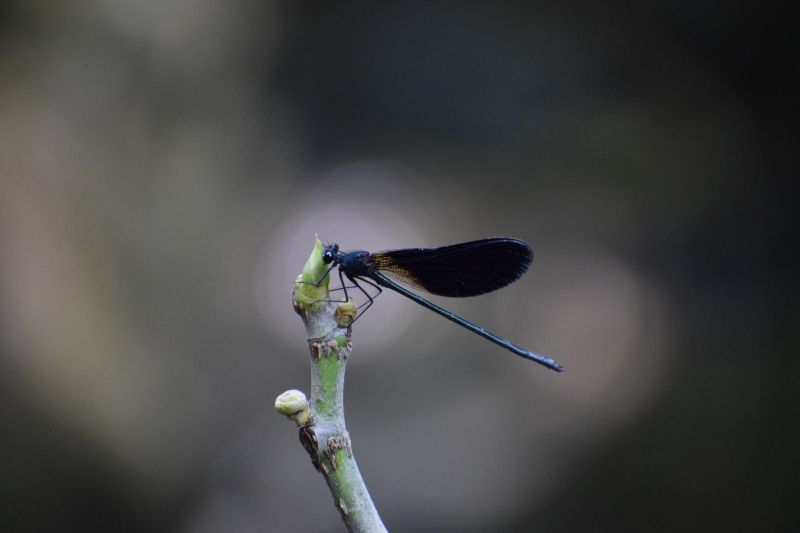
(330, 253)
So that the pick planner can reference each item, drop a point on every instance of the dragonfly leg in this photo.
(316, 284)
(344, 285)
(371, 299)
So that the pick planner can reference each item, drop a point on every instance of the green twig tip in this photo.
(305, 290)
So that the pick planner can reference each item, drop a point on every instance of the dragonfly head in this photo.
(331, 253)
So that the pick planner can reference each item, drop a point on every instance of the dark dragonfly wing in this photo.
(458, 270)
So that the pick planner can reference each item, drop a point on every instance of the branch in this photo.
(322, 429)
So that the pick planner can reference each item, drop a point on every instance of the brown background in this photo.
(165, 166)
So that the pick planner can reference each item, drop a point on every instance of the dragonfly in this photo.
(457, 270)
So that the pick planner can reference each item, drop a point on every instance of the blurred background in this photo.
(165, 167)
